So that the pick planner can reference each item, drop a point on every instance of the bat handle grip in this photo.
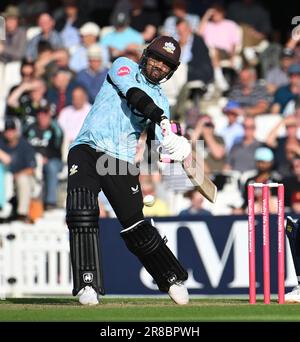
(163, 157)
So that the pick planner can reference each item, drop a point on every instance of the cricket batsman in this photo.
(130, 99)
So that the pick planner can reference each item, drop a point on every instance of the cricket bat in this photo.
(194, 168)
(195, 171)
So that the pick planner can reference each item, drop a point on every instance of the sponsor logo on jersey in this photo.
(123, 71)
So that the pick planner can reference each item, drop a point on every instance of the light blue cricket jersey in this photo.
(111, 125)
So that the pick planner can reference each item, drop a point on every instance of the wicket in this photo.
(266, 240)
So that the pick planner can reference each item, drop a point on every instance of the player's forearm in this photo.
(144, 104)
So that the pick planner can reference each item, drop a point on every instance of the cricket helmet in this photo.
(165, 48)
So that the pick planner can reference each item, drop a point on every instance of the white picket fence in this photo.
(34, 259)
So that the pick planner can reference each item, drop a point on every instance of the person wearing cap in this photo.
(288, 92)
(122, 38)
(278, 75)
(13, 47)
(264, 159)
(102, 157)
(144, 19)
(233, 132)
(12, 50)
(93, 77)
(48, 33)
(69, 22)
(89, 33)
(18, 157)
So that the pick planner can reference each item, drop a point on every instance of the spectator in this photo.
(241, 155)
(179, 11)
(220, 33)
(45, 136)
(43, 63)
(144, 20)
(68, 24)
(18, 156)
(48, 33)
(286, 148)
(93, 77)
(71, 117)
(264, 159)
(213, 144)
(278, 75)
(60, 92)
(254, 20)
(31, 9)
(89, 33)
(196, 207)
(288, 92)
(12, 50)
(122, 38)
(13, 47)
(193, 49)
(233, 132)
(27, 73)
(25, 101)
(252, 96)
(49, 61)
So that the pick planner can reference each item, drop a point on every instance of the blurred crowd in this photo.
(237, 89)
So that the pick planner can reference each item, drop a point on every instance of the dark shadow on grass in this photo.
(41, 301)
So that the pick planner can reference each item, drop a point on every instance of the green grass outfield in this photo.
(147, 309)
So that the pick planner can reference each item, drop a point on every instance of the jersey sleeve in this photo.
(123, 74)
